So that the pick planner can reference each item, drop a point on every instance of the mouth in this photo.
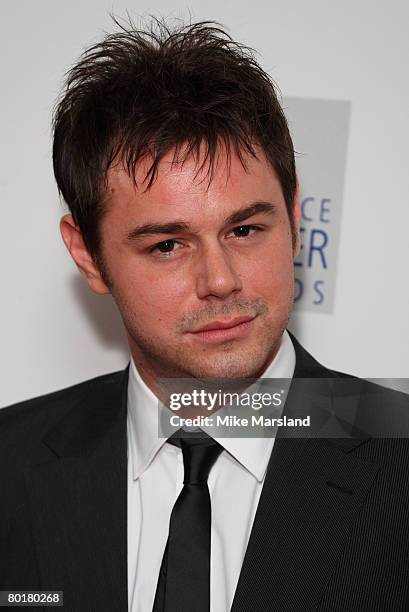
(220, 331)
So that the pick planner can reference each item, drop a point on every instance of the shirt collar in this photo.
(143, 440)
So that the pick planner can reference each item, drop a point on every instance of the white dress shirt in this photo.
(155, 479)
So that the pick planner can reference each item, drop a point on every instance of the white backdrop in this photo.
(55, 333)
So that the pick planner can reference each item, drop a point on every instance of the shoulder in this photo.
(24, 422)
(375, 409)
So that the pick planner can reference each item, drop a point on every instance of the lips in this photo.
(220, 331)
(214, 325)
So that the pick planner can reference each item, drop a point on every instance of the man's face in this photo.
(179, 261)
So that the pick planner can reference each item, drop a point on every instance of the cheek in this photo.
(152, 295)
(273, 272)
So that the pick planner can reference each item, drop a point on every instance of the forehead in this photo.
(186, 185)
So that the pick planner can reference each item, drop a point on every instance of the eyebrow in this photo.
(177, 227)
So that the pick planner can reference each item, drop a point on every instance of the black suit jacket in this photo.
(331, 532)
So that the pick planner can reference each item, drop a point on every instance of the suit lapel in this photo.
(77, 492)
(312, 494)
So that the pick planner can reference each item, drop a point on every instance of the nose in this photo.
(215, 274)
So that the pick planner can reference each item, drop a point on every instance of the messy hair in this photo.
(142, 93)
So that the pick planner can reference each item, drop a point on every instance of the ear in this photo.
(297, 220)
(74, 242)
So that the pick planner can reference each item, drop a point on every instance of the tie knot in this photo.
(199, 455)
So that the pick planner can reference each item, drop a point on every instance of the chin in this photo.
(227, 366)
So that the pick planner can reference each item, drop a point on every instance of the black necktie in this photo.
(184, 577)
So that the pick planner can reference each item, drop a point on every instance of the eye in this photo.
(243, 231)
(164, 248)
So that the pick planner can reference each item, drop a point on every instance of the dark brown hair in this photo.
(145, 92)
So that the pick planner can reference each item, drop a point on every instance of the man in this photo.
(174, 158)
